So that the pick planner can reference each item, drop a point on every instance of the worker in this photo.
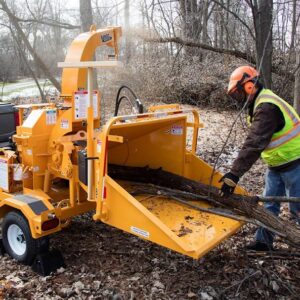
(274, 134)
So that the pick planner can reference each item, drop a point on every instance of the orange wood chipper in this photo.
(59, 168)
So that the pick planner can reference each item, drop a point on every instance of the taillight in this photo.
(50, 224)
(17, 118)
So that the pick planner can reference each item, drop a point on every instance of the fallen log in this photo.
(246, 206)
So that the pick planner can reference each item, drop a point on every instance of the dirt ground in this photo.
(106, 263)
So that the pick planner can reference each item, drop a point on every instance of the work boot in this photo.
(259, 246)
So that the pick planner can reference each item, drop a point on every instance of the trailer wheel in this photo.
(17, 239)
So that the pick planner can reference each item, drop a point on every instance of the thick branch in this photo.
(236, 53)
(49, 22)
(178, 40)
(242, 205)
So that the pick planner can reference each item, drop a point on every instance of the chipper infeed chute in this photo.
(160, 142)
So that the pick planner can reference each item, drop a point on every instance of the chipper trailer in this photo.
(60, 166)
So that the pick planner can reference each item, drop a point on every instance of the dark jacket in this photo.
(266, 120)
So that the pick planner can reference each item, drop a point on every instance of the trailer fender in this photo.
(35, 209)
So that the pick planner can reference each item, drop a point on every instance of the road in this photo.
(24, 88)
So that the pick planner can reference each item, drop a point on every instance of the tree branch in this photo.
(20, 32)
(236, 53)
(49, 22)
(188, 43)
(236, 16)
(239, 204)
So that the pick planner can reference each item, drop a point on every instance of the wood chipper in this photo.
(60, 166)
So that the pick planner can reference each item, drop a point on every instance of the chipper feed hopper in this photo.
(60, 166)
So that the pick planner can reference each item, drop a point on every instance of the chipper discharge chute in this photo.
(63, 161)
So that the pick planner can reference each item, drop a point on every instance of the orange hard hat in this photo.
(240, 76)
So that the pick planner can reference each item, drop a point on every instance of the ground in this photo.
(106, 263)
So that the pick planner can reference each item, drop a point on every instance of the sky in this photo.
(135, 17)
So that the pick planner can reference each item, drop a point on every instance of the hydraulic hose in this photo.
(119, 99)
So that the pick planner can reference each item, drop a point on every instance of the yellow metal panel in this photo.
(34, 117)
(155, 143)
(201, 231)
(198, 170)
(83, 49)
(166, 222)
(126, 213)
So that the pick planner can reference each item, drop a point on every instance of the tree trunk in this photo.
(205, 22)
(216, 27)
(297, 84)
(34, 77)
(246, 206)
(221, 35)
(227, 37)
(127, 31)
(190, 12)
(294, 25)
(86, 14)
(262, 11)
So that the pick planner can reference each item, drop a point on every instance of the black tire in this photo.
(32, 247)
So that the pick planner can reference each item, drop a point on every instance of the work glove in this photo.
(229, 183)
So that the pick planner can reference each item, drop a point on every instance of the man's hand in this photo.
(229, 183)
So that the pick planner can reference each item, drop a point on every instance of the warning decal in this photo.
(4, 175)
(81, 104)
(175, 130)
(51, 117)
(64, 124)
(99, 146)
(140, 232)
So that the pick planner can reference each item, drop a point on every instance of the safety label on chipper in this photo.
(51, 117)
(4, 175)
(140, 232)
(64, 124)
(175, 130)
(81, 104)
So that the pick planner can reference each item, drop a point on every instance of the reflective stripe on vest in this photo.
(284, 146)
(283, 103)
(290, 134)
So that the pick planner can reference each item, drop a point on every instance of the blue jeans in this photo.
(280, 184)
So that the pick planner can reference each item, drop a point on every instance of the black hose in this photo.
(137, 103)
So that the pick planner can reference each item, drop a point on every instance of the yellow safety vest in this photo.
(285, 144)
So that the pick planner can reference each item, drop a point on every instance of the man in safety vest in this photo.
(275, 136)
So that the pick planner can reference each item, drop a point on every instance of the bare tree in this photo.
(34, 77)
(297, 83)
(86, 14)
(262, 11)
(25, 40)
(127, 31)
(294, 24)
